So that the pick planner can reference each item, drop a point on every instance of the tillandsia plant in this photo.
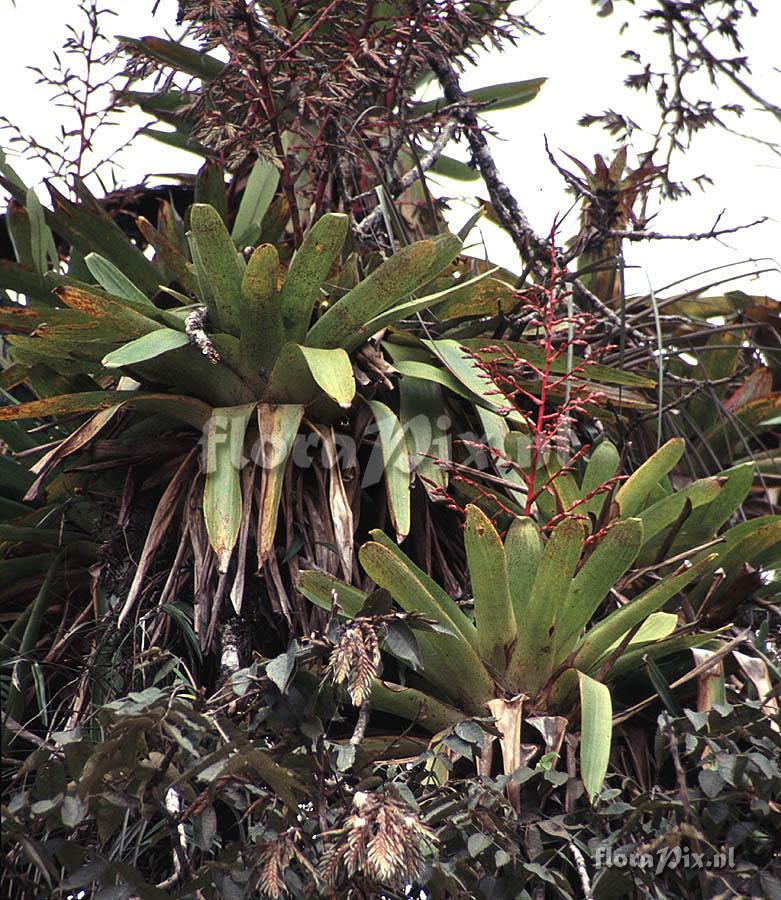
(543, 638)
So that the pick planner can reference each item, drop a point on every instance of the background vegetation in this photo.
(339, 561)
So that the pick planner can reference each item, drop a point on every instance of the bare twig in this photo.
(692, 236)
(365, 226)
(580, 865)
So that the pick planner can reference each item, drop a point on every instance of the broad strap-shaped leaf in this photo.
(533, 659)
(177, 266)
(277, 430)
(392, 571)
(660, 515)
(177, 56)
(410, 307)
(657, 627)
(308, 270)
(494, 97)
(450, 167)
(596, 733)
(756, 542)
(705, 521)
(494, 616)
(395, 459)
(210, 187)
(415, 706)
(523, 549)
(185, 409)
(460, 620)
(601, 467)
(441, 669)
(219, 267)
(421, 411)
(42, 248)
(112, 280)
(127, 322)
(344, 324)
(618, 623)
(463, 366)
(319, 588)
(633, 658)
(609, 560)
(255, 201)
(634, 492)
(149, 346)
(261, 333)
(222, 489)
(302, 374)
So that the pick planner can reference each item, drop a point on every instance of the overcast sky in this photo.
(578, 53)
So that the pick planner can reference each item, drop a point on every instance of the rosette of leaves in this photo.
(543, 638)
(198, 338)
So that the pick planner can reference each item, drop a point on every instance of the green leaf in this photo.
(277, 430)
(308, 270)
(657, 626)
(705, 521)
(523, 548)
(395, 458)
(460, 619)
(601, 467)
(460, 362)
(454, 168)
(302, 373)
(415, 706)
(219, 267)
(41, 240)
(169, 254)
(609, 560)
(318, 588)
(261, 331)
(494, 617)
(10, 173)
(430, 301)
(222, 502)
(391, 570)
(210, 187)
(635, 491)
(659, 515)
(533, 658)
(114, 282)
(421, 411)
(344, 324)
(255, 201)
(756, 542)
(613, 627)
(177, 56)
(146, 347)
(494, 97)
(596, 732)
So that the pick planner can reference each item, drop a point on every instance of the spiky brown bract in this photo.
(382, 839)
(322, 67)
(355, 660)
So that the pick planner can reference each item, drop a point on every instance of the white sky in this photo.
(580, 55)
